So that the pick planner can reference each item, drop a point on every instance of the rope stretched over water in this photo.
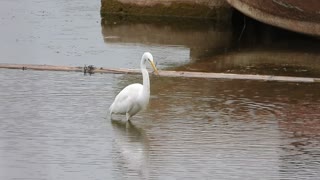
(91, 69)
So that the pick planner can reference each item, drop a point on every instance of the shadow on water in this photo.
(198, 35)
(243, 46)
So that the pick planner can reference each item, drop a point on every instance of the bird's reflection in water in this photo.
(130, 150)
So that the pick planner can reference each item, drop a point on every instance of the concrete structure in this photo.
(179, 8)
(294, 15)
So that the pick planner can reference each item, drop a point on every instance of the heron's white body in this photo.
(134, 97)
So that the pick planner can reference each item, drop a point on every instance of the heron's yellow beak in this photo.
(154, 68)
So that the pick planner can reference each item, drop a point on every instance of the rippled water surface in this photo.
(54, 126)
(67, 32)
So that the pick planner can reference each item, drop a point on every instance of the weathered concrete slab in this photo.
(178, 8)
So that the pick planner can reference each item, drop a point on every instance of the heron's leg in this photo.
(110, 116)
(128, 116)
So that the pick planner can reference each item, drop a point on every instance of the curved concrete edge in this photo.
(308, 28)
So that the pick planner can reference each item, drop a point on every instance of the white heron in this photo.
(134, 97)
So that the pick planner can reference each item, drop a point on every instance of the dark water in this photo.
(53, 125)
(224, 47)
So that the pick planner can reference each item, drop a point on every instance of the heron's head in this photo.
(148, 57)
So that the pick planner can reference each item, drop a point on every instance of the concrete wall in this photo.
(210, 3)
(179, 8)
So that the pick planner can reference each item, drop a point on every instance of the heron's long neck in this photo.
(146, 81)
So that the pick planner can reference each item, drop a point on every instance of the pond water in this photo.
(66, 32)
(54, 125)
(72, 33)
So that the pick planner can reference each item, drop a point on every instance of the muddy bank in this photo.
(217, 9)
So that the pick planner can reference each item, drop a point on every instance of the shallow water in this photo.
(68, 33)
(54, 125)
(73, 33)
